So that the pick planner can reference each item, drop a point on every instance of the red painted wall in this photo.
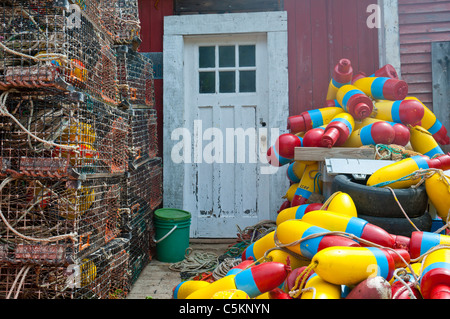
(420, 23)
(151, 15)
(320, 33)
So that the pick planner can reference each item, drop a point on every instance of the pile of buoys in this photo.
(321, 247)
(364, 111)
(331, 253)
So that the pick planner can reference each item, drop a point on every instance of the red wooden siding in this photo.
(421, 22)
(151, 15)
(320, 32)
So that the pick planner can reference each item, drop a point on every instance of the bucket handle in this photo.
(166, 235)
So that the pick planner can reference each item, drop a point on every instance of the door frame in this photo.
(220, 219)
(176, 177)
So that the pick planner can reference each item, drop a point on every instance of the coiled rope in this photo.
(420, 174)
(196, 262)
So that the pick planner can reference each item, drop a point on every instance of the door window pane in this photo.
(227, 56)
(247, 55)
(227, 82)
(207, 82)
(247, 81)
(207, 57)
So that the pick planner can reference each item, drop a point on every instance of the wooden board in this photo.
(224, 6)
(320, 153)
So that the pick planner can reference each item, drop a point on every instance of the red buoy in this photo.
(313, 138)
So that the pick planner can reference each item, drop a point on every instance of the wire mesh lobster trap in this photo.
(47, 221)
(54, 136)
(143, 186)
(120, 19)
(142, 139)
(51, 44)
(103, 274)
(135, 77)
(138, 232)
(142, 193)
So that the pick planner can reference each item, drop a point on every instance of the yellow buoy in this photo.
(309, 183)
(224, 283)
(291, 192)
(296, 212)
(396, 174)
(281, 256)
(306, 239)
(423, 142)
(351, 265)
(438, 190)
(342, 203)
(185, 288)
(230, 294)
(320, 289)
(295, 171)
(257, 249)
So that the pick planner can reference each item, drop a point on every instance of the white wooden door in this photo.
(226, 86)
(244, 88)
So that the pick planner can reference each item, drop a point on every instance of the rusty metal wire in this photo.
(142, 138)
(98, 132)
(142, 193)
(35, 210)
(78, 172)
(43, 45)
(120, 20)
(135, 78)
(100, 275)
(139, 232)
(144, 185)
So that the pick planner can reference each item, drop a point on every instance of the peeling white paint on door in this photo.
(226, 106)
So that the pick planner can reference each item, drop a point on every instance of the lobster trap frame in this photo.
(142, 139)
(142, 188)
(55, 221)
(138, 232)
(135, 78)
(120, 20)
(58, 136)
(51, 44)
(103, 274)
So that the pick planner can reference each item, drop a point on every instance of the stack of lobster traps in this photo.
(142, 186)
(68, 140)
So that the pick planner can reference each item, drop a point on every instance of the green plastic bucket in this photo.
(171, 234)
